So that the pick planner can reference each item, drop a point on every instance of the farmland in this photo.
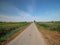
(52, 26)
(7, 29)
(50, 31)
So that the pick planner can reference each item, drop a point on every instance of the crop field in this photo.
(9, 28)
(50, 31)
(53, 26)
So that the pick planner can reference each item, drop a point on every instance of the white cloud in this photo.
(21, 16)
(24, 16)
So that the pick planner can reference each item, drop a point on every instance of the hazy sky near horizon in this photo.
(29, 10)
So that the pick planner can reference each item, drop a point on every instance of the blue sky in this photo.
(29, 10)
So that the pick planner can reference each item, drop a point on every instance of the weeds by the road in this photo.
(51, 32)
(53, 26)
(7, 29)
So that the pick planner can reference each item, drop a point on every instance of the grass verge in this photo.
(13, 35)
(51, 36)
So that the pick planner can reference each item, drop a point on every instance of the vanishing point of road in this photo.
(30, 36)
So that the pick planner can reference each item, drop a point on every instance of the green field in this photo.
(54, 26)
(9, 28)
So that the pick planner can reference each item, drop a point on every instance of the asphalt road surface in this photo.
(30, 36)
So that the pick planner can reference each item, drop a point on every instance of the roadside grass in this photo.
(52, 26)
(9, 30)
(50, 31)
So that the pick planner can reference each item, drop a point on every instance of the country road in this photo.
(30, 36)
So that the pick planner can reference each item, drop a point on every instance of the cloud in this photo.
(12, 13)
(17, 15)
(24, 16)
(21, 16)
(48, 16)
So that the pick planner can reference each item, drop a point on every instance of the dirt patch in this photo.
(52, 37)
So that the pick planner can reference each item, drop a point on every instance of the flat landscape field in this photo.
(9, 30)
(50, 31)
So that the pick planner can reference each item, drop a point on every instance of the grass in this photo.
(53, 26)
(7, 29)
(50, 31)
